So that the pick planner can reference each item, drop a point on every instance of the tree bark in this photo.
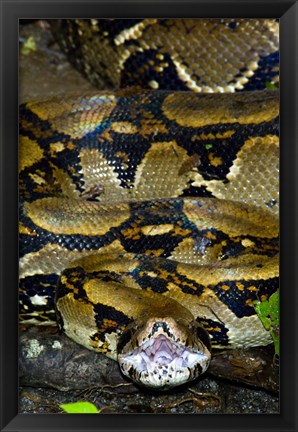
(50, 359)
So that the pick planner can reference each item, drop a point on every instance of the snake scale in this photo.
(149, 217)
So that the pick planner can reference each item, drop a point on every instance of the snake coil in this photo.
(149, 218)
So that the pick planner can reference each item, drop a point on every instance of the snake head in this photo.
(163, 352)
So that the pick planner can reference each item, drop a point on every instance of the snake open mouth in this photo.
(162, 362)
(162, 352)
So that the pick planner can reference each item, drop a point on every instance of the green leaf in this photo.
(79, 408)
(29, 46)
(271, 86)
(208, 146)
(268, 312)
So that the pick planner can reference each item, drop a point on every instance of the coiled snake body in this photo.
(155, 213)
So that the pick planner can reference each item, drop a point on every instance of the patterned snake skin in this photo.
(149, 217)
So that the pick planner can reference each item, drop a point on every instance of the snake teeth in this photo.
(161, 351)
(162, 362)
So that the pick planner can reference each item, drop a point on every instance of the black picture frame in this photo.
(11, 12)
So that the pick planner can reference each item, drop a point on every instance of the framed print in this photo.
(148, 215)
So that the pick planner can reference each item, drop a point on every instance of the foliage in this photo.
(28, 46)
(79, 408)
(268, 312)
(271, 86)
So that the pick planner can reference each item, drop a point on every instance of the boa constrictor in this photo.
(149, 219)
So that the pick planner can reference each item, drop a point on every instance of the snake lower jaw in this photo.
(163, 363)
